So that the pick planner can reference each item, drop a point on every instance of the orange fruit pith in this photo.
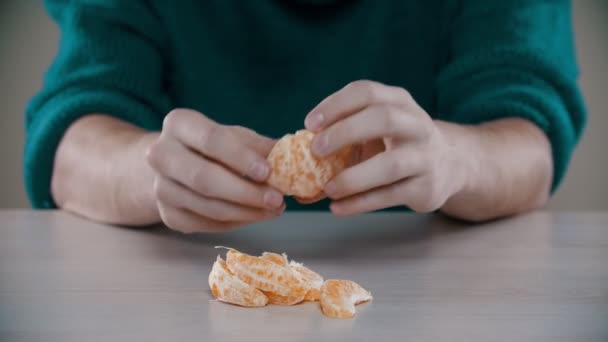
(226, 287)
(339, 297)
(265, 275)
(296, 171)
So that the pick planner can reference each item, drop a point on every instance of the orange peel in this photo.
(339, 297)
(226, 287)
(296, 171)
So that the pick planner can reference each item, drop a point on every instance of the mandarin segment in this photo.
(279, 259)
(226, 287)
(339, 297)
(265, 275)
(296, 171)
(273, 298)
(290, 299)
(314, 280)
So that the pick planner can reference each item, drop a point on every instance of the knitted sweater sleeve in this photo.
(513, 58)
(110, 61)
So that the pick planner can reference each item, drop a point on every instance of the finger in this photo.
(380, 198)
(173, 160)
(217, 142)
(383, 169)
(187, 222)
(176, 195)
(412, 192)
(378, 121)
(351, 99)
(258, 142)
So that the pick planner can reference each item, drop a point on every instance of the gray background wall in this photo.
(28, 41)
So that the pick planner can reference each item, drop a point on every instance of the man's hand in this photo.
(427, 163)
(209, 176)
(418, 167)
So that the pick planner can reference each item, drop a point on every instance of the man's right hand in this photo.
(209, 177)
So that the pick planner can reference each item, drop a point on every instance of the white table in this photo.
(538, 277)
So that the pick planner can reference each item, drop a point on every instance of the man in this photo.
(474, 104)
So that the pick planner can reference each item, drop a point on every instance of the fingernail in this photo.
(330, 188)
(260, 170)
(314, 121)
(273, 199)
(320, 144)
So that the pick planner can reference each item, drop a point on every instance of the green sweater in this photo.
(265, 63)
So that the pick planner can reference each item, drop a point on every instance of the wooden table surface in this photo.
(539, 277)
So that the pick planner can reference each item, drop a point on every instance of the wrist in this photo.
(463, 157)
(139, 181)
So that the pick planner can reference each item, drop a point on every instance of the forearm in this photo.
(101, 173)
(506, 169)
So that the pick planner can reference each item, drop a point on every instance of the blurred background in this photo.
(28, 42)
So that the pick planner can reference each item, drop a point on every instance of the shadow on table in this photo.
(322, 236)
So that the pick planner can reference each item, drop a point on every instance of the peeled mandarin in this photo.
(339, 297)
(296, 171)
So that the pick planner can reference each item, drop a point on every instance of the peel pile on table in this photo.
(296, 171)
(252, 281)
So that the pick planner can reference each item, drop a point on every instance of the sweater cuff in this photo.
(55, 116)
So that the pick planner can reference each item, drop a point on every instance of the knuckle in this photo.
(371, 90)
(405, 94)
(171, 120)
(368, 89)
(392, 119)
(208, 136)
(154, 155)
(428, 129)
(238, 130)
(355, 84)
